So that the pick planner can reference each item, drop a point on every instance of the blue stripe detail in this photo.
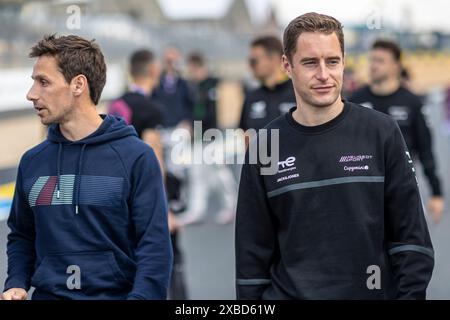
(101, 191)
(95, 190)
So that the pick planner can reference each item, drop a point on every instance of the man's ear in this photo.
(286, 65)
(79, 84)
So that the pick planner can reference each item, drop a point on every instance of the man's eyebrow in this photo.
(307, 59)
(311, 59)
(39, 77)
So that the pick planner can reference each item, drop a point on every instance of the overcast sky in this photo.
(417, 15)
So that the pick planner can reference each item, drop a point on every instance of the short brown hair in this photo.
(75, 56)
(139, 61)
(389, 45)
(196, 58)
(310, 22)
(271, 44)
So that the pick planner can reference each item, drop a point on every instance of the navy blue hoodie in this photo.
(93, 208)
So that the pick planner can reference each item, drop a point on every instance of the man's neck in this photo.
(274, 79)
(386, 87)
(144, 85)
(201, 76)
(311, 116)
(171, 72)
(81, 124)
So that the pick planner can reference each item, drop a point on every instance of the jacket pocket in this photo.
(81, 275)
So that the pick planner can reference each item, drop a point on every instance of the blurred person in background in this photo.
(177, 101)
(275, 96)
(207, 179)
(350, 84)
(386, 93)
(447, 112)
(139, 109)
(136, 106)
(173, 92)
(405, 78)
(204, 88)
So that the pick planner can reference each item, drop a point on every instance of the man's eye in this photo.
(44, 82)
(333, 62)
(309, 63)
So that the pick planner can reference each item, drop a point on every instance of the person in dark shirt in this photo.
(136, 106)
(341, 216)
(174, 94)
(275, 96)
(385, 93)
(139, 109)
(204, 87)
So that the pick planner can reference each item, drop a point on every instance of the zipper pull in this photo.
(57, 194)
(76, 209)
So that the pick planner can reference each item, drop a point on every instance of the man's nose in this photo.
(322, 72)
(31, 95)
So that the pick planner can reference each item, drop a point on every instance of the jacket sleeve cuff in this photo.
(15, 283)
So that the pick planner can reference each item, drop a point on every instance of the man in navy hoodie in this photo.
(89, 216)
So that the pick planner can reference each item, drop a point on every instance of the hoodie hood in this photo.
(112, 128)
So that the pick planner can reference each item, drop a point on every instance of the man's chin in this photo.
(377, 80)
(324, 101)
(46, 121)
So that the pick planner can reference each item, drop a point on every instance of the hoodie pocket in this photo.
(81, 274)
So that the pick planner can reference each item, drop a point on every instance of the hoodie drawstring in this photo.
(58, 168)
(80, 167)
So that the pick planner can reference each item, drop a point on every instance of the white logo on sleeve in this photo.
(399, 113)
(284, 107)
(410, 161)
(367, 105)
(258, 110)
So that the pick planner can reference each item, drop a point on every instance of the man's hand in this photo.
(174, 224)
(14, 294)
(187, 125)
(436, 208)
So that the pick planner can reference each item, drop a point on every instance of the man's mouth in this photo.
(39, 109)
(323, 88)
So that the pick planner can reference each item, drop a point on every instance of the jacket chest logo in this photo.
(94, 190)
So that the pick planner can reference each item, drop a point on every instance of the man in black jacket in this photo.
(342, 217)
(385, 93)
(275, 96)
(204, 87)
